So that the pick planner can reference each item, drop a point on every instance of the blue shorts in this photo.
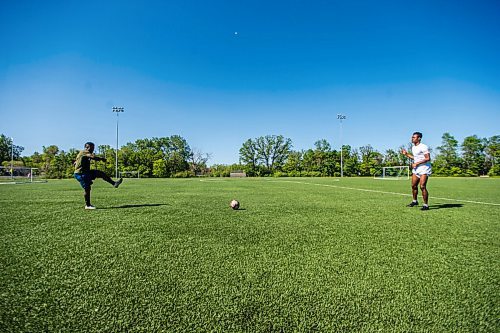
(86, 179)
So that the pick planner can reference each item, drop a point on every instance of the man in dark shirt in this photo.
(86, 176)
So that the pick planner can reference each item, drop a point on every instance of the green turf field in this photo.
(302, 255)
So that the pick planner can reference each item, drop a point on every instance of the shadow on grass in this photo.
(441, 206)
(133, 206)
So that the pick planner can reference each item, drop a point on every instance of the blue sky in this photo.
(220, 72)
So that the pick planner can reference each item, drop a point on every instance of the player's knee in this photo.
(423, 187)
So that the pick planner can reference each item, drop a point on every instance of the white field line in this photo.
(385, 192)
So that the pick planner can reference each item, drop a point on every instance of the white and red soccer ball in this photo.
(234, 204)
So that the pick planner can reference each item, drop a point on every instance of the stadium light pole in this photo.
(341, 117)
(12, 158)
(118, 111)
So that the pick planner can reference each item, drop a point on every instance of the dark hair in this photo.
(89, 144)
(418, 134)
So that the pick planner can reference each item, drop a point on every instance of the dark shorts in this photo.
(86, 179)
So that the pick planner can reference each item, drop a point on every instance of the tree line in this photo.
(270, 155)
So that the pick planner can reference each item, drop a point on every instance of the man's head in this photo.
(416, 138)
(89, 146)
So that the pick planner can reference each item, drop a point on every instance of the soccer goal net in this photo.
(394, 173)
(18, 175)
(237, 174)
(130, 174)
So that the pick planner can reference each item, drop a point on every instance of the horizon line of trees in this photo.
(270, 155)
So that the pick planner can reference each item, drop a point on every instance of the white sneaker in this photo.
(117, 183)
(90, 207)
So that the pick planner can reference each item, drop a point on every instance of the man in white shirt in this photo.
(421, 169)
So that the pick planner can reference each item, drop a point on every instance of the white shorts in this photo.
(422, 169)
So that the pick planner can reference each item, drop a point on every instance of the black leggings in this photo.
(89, 177)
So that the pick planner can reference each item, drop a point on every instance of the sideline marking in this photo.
(385, 192)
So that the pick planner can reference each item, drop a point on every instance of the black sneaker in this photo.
(424, 208)
(412, 204)
(118, 183)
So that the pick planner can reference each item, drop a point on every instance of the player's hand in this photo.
(414, 165)
(404, 152)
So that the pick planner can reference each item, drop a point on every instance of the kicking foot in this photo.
(90, 207)
(424, 208)
(412, 204)
(117, 183)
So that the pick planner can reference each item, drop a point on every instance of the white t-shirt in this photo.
(419, 152)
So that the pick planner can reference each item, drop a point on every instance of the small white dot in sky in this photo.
(236, 32)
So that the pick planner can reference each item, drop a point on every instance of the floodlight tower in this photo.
(12, 158)
(118, 111)
(341, 117)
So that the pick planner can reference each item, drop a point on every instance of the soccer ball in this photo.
(234, 204)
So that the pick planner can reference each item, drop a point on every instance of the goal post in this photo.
(393, 173)
(19, 175)
(237, 174)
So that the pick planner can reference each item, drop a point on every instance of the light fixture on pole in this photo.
(117, 110)
(341, 117)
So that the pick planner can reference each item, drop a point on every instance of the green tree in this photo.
(109, 153)
(473, 155)
(35, 161)
(177, 154)
(198, 161)
(403, 159)
(391, 158)
(248, 157)
(221, 170)
(143, 155)
(322, 160)
(293, 165)
(54, 163)
(265, 154)
(309, 161)
(60, 166)
(322, 146)
(492, 151)
(47, 166)
(6, 149)
(371, 160)
(351, 161)
(447, 162)
(272, 151)
(139, 156)
(160, 168)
